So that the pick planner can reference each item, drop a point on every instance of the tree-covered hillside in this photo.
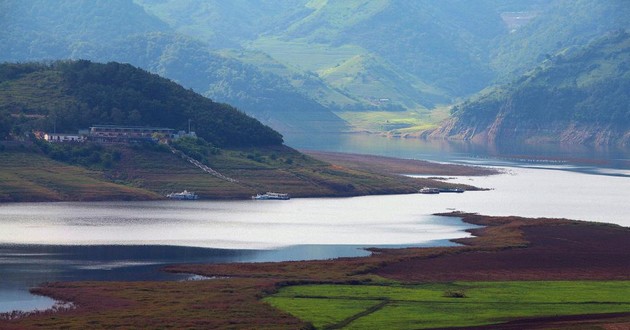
(69, 95)
(579, 95)
(123, 31)
(559, 25)
(302, 65)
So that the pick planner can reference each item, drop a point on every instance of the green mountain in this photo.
(122, 31)
(559, 25)
(303, 65)
(245, 156)
(578, 95)
(71, 95)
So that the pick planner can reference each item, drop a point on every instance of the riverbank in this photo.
(149, 174)
(389, 165)
(505, 249)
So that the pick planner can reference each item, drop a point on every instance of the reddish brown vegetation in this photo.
(507, 248)
(561, 251)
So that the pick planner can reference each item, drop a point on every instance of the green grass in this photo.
(151, 174)
(27, 176)
(306, 55)
(429, 306)
(398, 122)
(322, 312)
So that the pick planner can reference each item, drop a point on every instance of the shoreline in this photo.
(334, 175)
(512, 242)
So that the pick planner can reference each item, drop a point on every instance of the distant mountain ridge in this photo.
(122, 31)
(577, 96)
(301, 66)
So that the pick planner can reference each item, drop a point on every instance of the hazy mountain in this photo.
(580, 95)
(300, 65)
(560, 24)
(226, 24)
(122, 31)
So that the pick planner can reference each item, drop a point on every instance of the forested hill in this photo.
(69, 95)
(121, 31)
(579, 95)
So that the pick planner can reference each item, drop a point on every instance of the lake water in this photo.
(132, 240)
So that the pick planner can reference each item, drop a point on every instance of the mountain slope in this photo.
(123, 31)
(560, 24)
(303, 65)
(71, 95)
(580, 96)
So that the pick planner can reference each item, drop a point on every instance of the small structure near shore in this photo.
(427, 190)
(118, 134)
(271, 196)
(60, 137)
(184, 195)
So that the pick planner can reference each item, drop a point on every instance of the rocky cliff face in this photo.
(560, 132)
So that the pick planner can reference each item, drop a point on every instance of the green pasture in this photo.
(448, 305)
(397, 122)
(306, 55)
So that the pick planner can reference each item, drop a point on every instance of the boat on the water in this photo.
(271, 196)
(451, 190)
(184, 195)
(427, 190)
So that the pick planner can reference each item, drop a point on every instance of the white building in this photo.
(59, 137)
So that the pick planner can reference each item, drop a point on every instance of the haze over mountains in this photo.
(319, 66)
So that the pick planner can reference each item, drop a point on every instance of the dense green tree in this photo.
(121, 94)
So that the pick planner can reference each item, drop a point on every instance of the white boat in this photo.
(184, 195)
(271, 195)
(427, 190)
(451, 190)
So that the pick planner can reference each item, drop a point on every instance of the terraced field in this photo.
(455, 304)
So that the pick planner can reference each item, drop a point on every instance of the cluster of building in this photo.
(117, 134)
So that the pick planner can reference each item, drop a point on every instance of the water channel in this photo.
(42, 242)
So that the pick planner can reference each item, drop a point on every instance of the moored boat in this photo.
(451, 190)
(427, 190)
(271, 196)
(184, 195)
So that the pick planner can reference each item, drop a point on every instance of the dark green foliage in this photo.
(84, 154)
(121, 94)
(196, 148)
(454, 294)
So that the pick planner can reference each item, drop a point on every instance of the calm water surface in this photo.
(131, 240)
(44, 242)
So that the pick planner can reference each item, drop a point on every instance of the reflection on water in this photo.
(44, 242)
(224, 224)
(499, 154)
(25, 266)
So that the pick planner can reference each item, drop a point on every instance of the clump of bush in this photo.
(197, 148)
(84, 154)
(454, 294)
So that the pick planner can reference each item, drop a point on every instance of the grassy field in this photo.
(351, 71)
(448, 304)
(31, 177)
(396, 122)
(151, 173)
